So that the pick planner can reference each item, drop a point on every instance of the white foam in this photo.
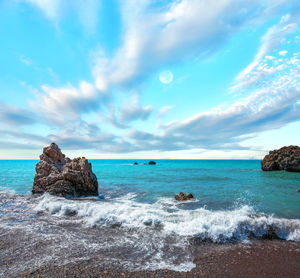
(10, 192)
(217, 226)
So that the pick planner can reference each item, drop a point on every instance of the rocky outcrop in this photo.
(151, 162)
(286, 158)
(59, 175)
(184, 196)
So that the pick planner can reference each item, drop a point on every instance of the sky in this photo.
(170, 79)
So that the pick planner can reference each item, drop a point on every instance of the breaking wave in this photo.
(171, 218)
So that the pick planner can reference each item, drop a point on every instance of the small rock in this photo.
(184, 196)
(271, 234)
(151, 162)
(135, 163)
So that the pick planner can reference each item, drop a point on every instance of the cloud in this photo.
(156, 36)
(271, 105)
(132, 111)
(164, 110)
(51, 8)
(86, 11)
(178, 30)
(225, 128)
(25, 60)
(60, 105)
(282, 53)
(258, 68)
(15, 116)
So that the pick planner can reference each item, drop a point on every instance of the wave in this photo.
(122, 230)
(8, 191)
(170, 218)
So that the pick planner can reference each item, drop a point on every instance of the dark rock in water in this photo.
(271, 234)
(59, 175)
(70, 212)
(184, 196)
(148, 222)
(151, 162)
(135, 163)
(286, 158)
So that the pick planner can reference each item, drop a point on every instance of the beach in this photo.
(242, 222)
(258, 259)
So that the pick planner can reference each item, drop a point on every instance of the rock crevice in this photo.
(59, 175)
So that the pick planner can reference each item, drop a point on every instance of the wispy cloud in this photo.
(156, 36)
(177, 31)
(86, 11)
(258, 68)
(15, 116)
(60, 105)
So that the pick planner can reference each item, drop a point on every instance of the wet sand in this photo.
(260, 258)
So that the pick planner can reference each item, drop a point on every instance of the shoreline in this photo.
(258, 258)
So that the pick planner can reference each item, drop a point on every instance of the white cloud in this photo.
(179, 30)
(131, 111)
(258, 69)
(25, 60)
(164, 110)
(15, 116)
(60, 105)
(51, 8)
(54, 10)
(282, 53)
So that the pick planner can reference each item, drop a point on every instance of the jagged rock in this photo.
(59, 175)
(184, 196)
(151, 162)
(286, 158)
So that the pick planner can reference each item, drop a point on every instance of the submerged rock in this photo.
(270, 234)
(135, 163)
(184, 196)
(151, 162)
(59, 175)
(286, 158)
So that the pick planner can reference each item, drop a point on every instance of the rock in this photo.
(286, 158)
(271, 234)
(151, 162)
(184, 196)
(298, 190)
(135, 163)
(59, 175)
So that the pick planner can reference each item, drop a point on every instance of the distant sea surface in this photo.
(136, 222)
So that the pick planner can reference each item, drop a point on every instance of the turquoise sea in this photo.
(135, 220)
(217, 184)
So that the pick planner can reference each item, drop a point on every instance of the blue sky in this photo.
(149, 79)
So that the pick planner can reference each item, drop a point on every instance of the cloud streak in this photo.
(177, 31)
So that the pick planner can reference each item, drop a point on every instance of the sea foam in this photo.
(167, 216)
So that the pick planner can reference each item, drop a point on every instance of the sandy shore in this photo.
(260, 258)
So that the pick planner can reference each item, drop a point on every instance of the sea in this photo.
(135, 222)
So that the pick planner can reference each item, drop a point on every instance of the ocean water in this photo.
(136, 222)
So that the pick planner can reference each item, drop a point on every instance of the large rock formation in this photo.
(59, 175)
(286, 158)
